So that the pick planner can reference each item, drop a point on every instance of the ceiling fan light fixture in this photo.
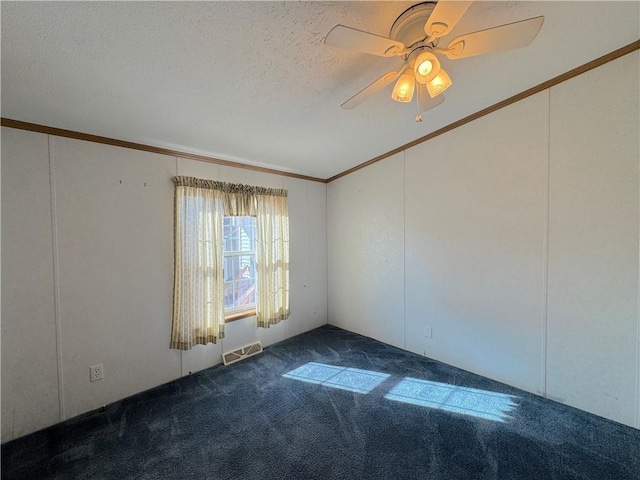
(426, 68)
(421, 69)
(404, 87)
(439, 84)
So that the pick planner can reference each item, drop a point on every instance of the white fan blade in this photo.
(445, 16)
(424, 99)
(352, 39)
(497, 39)
(369, 90)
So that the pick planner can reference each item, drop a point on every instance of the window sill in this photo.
(232, 317)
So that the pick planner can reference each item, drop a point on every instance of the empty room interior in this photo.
(251, 240)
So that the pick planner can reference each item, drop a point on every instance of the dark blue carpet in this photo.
(420, 419)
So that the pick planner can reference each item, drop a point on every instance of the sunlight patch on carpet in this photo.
(351, 379)
(452, 398)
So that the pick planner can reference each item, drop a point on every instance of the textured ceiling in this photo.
(253, 82)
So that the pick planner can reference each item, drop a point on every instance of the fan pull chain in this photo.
(419, 115)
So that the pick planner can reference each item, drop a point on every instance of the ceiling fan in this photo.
(415, 37)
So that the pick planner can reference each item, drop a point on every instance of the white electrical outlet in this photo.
(427, 332)
(96, 373)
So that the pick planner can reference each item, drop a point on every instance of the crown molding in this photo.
(59, 132)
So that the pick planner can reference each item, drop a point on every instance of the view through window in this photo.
(239, 264)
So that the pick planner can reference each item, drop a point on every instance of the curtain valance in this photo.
(237, 188)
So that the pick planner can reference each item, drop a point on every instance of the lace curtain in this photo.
(272, 259)
(198, 304)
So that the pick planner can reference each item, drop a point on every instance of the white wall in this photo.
(88, 277)
(29, 353)
(366, 254)
(474, 241)
(593, 242)
(519, 233)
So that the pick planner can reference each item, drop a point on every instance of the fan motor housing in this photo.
(409, 26)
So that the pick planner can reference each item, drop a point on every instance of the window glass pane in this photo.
(244, 238)
(227, 236)
(235, 239)
(244, 266)
(244, 292)
(233, 294)
(228, 269)
(228, 295)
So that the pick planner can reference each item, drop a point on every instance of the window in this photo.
(231, 258)
(239, 265)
